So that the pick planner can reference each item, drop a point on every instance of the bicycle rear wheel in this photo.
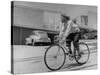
(54, 57)
(83, 57)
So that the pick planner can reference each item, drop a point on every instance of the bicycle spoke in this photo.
(83, 55)
(54, 58)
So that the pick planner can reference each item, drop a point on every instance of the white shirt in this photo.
(70, 27)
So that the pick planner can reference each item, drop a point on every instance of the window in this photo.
(84, 20)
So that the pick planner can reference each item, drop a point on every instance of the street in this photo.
(29, 59)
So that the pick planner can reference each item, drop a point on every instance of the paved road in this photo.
(27, 60)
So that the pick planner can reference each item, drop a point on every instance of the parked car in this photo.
(90, 35)
(38, 37)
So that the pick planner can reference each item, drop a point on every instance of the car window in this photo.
(43, 34)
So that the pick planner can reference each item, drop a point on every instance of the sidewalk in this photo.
(89, 41)
(24, 51)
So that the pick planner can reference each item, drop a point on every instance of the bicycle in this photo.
(55, 55)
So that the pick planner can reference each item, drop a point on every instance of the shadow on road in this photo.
(69, 66)
(76, 66)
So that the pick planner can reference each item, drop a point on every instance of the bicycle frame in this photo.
(64, 47)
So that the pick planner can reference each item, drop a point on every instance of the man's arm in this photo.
(68, 28)
(61, 29)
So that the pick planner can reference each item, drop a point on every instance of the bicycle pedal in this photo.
(71, 58)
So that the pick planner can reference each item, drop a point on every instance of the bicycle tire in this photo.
(75, 55)
(45, 56)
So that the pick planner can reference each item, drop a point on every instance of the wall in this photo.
(71, 10)
(52, 20)
(19, 35)
(92, 20)
(27, 17)
(16, 36)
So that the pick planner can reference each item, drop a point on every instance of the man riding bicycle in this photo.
(69, 30)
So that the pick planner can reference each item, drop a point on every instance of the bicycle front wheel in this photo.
(83, 56)
(54, 57)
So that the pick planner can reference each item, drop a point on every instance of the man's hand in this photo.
(61, 39)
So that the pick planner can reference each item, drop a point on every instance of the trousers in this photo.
(73, 37)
